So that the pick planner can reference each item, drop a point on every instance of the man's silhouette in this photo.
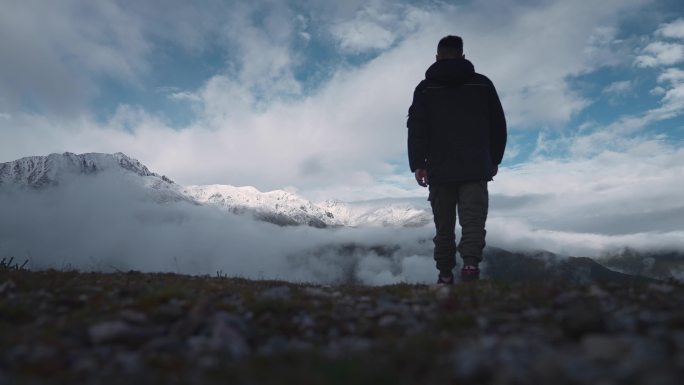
(456, 141)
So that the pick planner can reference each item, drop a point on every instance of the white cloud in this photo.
(618, 87)
(658, 91)
(376, 26)
(659, 53)
(674, 29)
(533, 56)
(185, 95)
(358, 36)
(672, 75)
(54, 61)
(628, 190)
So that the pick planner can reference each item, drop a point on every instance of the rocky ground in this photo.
(135, 328)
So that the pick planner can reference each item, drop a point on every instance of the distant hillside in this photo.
(503, 265)
(661, 265)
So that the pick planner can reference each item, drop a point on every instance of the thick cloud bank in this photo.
(108, 222)
(105, 222)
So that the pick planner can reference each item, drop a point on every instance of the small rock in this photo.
(316, 292)
(84, 362)
(582, 319)
(305, 321)
(33, 354)
(121, 332)
(342, 346)
(661, 287)
(224, 333)
(128, 361)
(167, 312)
(208, 362)
(278, 293)
(108, 331)
(276, 344)
(166, 344)
(133, 316)
(596, 291)
(604, 347)
(565, 298)
(7, 286)
(441, 291)
(387, 320)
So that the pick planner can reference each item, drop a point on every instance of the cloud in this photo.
(671, 75)
(630, 188)
(524, 58)
(660, 53)
(376, 26)
(106, 222)
(184, 95)
(618, 87)
(674, 29)
(52, 64)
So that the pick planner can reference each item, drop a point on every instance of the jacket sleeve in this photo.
(418, 131)
(498, 133)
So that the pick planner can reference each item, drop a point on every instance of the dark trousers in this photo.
(471, 201)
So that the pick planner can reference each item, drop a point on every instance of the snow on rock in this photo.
(39, 171)
(399, 213)
(42, 172)
(279, 207)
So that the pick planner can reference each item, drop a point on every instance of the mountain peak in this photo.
(39, 171)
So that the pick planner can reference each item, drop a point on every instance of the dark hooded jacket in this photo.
(456, 125)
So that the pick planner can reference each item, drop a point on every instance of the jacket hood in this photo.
(450, 71)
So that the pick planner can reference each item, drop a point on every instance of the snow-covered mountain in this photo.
(44, 172)
(410, 212)
(40, 171)
(279, 207)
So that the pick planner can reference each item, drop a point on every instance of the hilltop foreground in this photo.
(110, 328)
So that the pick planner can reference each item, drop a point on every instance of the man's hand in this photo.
(421, 177)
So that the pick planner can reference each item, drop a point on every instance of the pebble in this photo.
(7, 286)
(128, 361)
(661, 287)
(133, 316)
(599, 347)
(278, 293)
(581, 319)
(109, 331)
(387, 320)
(316, 292)
(222, 334)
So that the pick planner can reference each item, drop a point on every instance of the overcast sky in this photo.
(312, 96)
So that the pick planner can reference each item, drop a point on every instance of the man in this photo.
(456, 141)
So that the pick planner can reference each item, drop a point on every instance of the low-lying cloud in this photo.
(103, 222)
(106, 222)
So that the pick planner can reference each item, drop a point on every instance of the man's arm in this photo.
(418, 135)
(497, 128)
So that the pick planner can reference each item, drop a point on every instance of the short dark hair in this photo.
(450, 46)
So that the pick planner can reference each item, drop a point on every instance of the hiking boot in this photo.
(470, 273)
(445, 279)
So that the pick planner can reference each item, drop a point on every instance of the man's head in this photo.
(450, 47)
